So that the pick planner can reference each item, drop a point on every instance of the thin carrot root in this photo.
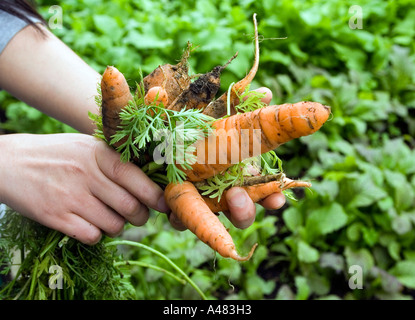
(186, 202)
(115, 96)
(248, 256)
(218, 108)
(257, 192)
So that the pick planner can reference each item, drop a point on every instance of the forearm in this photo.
(44, 73)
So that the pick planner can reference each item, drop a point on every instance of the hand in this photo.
(242, 210)
(75, 184)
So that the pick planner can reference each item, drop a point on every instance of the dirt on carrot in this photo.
(200, 92)
(172, 78)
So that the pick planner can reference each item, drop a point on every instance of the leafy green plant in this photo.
(53, 266)
(360, 213)
(359, 210)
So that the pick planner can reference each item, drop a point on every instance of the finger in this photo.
(130, 177)
(76, 227)
(268, 94)
(100, 215)
(120, 200)
(242, 210)
(273, 201)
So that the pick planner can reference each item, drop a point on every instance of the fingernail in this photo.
(280, 202)
(246, 223)
(162, 205)
(238, 199)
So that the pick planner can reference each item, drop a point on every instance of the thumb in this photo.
(242, 210)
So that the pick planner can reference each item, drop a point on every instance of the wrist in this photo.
(5, 155)
(11, 152)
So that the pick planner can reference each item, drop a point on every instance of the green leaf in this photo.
(286, 83)
(228, 268)
(365, 191)
(354, 230)
(307, 253)
(326, 219)
(293, 218)
(401, 224)
(303, 289)
(216, 39)
(319, 284)
(277, 56)
(370, 236)
(256, 287)
(404, 194)
(311, 16)
(354, 58)
(108, 26)
(394, 250)
(285, 293)
(329, 297)
(405, 272)
(145, 41)
(326, 188)
(316, 141)
(332, 260)
(361, 257)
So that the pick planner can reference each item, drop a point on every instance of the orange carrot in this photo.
(217, 108)
(276, 125)
(201, 91)
(172, 78)
(186, 202)
(115, 96)
(256, 192)
(154, 93)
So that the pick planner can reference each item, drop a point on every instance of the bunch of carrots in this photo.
(172, 87)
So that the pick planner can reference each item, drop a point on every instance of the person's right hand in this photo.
(74, 183)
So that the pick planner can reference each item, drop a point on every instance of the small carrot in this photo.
(276, 124)
(186, 202)
(218, 108)
(172, 78)
(115, 96)
(256, 192)
(200, 92)
(156, 95)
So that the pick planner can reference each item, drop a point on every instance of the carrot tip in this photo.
(251, 252)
